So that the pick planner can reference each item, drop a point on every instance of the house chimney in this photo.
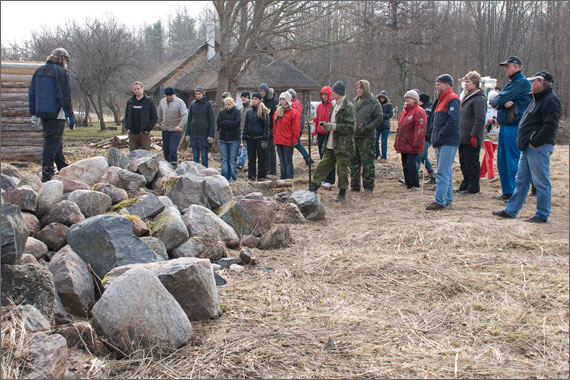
(211, 39)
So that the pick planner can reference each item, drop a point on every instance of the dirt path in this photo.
(383, 289)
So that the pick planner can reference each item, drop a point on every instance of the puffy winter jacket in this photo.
(50, 91)
(445, 119)
(286, 129)
(368, 112)
(323, 110)
(228, 123)
(517, 90)
(271, 103)
(255, 127)
(539, 124)
(200, 123)
(411, 132)
(387, 110)
(473, 110)
(148, 114)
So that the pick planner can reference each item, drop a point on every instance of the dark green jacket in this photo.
(369, 113)
(343, 137)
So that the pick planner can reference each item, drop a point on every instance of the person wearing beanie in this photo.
(323, 111)
(286, 131)
(200, 126)
(339, 142)
(383, 131)
(299, 146)
(228, 124)
(254, 136)
(339, 88)
(245, 106)
(226, 94)
(369, 116)
(444, 121)
(471, 132)
(510, 104)
(172, 116)
(410, 137)
(140, 118)
(50, 101)
(424, 157)
(271, 102)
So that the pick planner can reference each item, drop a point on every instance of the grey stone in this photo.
(32, 180)
(72, 281)
(236, 268)
(117, 195)
(200, 220)
(14, 234)
(35, 248)
(167, 202)
(137, 311)
(28, 258)
(169, 227)
(206, 172)
(238, 218)
(29, 284)
(278, 237)
(260, 209)
(21, 197)
(89, 170)
(48, 357)
(148, 207)
(50, 194)
(34, 320)
(54, 235)
(247, 257)
(227, 261)
(70, 184)
(11, 171)
(117, 158)
(309, 203)
(123, 179)
(189, 190)
(165, 177)
(205, 246)
(189, 280)
(64, 212)
(107, 241)
(32, 222)
(189, 167)
(218, 191)
(289, 213)
(146, 163)
(91, 202)
(8, 182)
(250, 241)
(157, 246)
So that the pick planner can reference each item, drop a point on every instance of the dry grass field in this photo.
(383, 288)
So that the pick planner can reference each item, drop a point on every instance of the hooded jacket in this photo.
(387, 110)
(148, 114)
(539, 123)
(473, 110)
(343, 136)
(411, 132)
(200, 124)
(444, 120)
(517, 90)
(228, 123)
(270, 102)
(50, 91)
(323, 110)
(287, 128)
(368, 112)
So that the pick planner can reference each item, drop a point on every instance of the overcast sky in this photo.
(20, 18)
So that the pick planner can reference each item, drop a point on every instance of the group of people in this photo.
(526, 112)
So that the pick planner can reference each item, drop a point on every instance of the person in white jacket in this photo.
(172, 115)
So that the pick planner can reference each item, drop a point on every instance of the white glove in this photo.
(330, 126)
(36, 120)
(210, 140)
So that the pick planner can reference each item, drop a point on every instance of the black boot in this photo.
(313, 187)
(309, 161)
(341, 197)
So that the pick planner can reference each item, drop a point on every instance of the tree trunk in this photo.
(101, 114)
(84, 122)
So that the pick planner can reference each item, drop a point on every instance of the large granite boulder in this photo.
(91, 202)
(36, 248)
(14, 234)
(278, 236)
(32, 222)
(289, 213)
(70, 184)
(8, 182)
(123, 179)
(189, 190)
(137, 311)
(65, 212)
(218, 190)
(189, 167)
(50, 194)
(32, 180)
(25, 198)
(148, 207)
(146, 163)
(117, 195)
(48, 357)
(169, 227)
(165, 177)
(89, 170)
(117, 158)
(157, 246)
(199, 220)
(309, 203)
(11, 171)
(204, 246)
(238, 218)
(262, 210)
(107, 241)
(53, 235)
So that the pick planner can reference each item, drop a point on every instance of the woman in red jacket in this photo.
(410, 137)
(323, 111)
(286, 131)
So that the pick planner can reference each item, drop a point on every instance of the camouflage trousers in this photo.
(362, 162)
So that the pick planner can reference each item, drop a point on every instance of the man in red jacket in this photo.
(323, 111)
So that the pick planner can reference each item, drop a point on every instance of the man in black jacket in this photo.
(140, 118)
(536, 138)
(50, 99)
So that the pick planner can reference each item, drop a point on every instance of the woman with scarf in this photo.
(254, 136)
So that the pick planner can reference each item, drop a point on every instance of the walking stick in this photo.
(310, 134)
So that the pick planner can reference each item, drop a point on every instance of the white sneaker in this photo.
(326, 185)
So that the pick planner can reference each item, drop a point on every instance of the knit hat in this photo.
(226, 94)
(445, 78)
(200, 89)
(246, 94)
(60, 52)
(418, 91)
(287, 96)
(265, 88)
(168, 91)
(257, 95)
(340, 88)
(424, 98)
(412, 94)
(293, 93)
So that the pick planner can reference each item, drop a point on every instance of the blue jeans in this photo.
(242, 155)
(285, 154)
(204, 153)
(423, 157)
(508, 155)
(444, 181)
(534, 167)
(228, 156)
(170, 141)
(302, 149)
(384, 133)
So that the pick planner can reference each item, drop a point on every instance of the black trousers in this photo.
(285, 161)
(53, 147)
(270, 156)
(255, 153)
(470, 167)
(320, 140)
(410, 170)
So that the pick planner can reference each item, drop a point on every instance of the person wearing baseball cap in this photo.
(510, 104)
(536, 137)
(50, 100)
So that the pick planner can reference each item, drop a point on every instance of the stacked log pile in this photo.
(19, 138)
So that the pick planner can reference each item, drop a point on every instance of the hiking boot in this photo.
(239, 167)
(367, 191)
(309, 161)
(503, 214)
(313, 187)
(434, 206)
(467, 192)
(341, 197)
(354, 189)
(536, 219)
(504, 197)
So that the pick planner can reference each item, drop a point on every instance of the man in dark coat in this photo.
(536, 137)
(140, 118)
(200, 127)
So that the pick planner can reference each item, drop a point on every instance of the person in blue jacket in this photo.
(515, 94)
(50, 100)
(444, 121)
